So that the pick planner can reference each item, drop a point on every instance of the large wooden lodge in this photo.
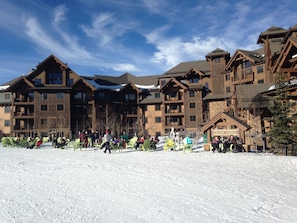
(220, 95)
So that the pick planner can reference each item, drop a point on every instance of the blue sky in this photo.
(142, 37)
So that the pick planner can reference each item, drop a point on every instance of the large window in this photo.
(54, 78)
(157, 107)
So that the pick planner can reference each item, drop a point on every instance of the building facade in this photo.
(216, 96)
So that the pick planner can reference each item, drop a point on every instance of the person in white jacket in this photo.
(106, 141)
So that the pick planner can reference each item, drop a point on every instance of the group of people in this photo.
(222, 144)
(86, 135)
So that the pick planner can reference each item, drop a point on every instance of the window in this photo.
(69, 82)
(7, 96)
(157, 95)
(194, 80)
(54, 78)
(60, 95)
(260, 69)
(60, 107)
(101, 94)
(191, 94)
(158, 119)
(43, 107)
(228, 89)
(7, 109)
(79, 96)
(163, 82)
(192, 118)
(44, 95)
(173, 119)
(217, 60)
(173, 107)
(43, 122)
(227, 77)
(6, 123)
(157, 107)
(192, 105)
(130, 97)
(37, 82)
(261, 81)
(173, 94)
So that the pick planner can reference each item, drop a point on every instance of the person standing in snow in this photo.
(106, 141)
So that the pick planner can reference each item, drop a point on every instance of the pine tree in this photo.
(282, 133)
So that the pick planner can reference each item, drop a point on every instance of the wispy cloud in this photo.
(126, 67)
(59, 14)
(171, 51)
(68, 47)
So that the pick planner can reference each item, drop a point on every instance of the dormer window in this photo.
(217, 60)
(54, 78)
(194, 80)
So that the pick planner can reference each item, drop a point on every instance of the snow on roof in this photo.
(289, 83)
(119, 86)
(109, 87)
(4, 87)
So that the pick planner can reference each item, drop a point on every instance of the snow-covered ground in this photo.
(54, 185)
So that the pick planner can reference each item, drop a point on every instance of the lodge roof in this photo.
(125, 78)
(184, 67)
(217, 52)
(249, 95)
(272, 32)
(216, 97)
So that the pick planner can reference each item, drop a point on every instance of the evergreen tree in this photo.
(282, 133)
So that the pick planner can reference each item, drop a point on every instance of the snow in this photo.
(54, 185)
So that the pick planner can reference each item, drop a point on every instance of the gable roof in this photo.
(125, 78)
(182, 68)
(253, 56)
(173, 80)
(287, 57)
(217, 52)
(272, 32)
(221, 116)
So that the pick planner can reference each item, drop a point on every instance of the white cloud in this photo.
(155, 6)
(126, 67)
(171, 51)
(105, 28)
(59, 14)
(68, 47)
